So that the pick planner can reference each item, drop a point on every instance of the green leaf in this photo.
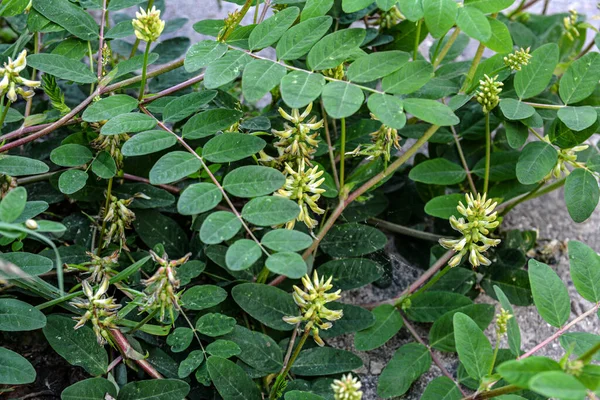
(388, 322)
(299, 395)
(198, 198)
(104, 166)
(155, 389)
(299, 39)
(351, 273)
(223, 348)
(270, 30)
(116, 5)
(89, 389)
(406, 366)
(388, 109)
(209, 122)
(109, 107)
(474, 23)
(174, 166)
(186, 105)
(71, 155)
(533, 78)
(513, 331)
(78, 347)
(260, 77)
(201, 297)
(71, 17)
(10, 8)
(133, 64)
(242, 254)
(351, 6)
(444, 206)
(15, 369)
(520, 372)
(581, 194)
(355, 319)
(225, 69)
(299, 88)
(288, 264)
(412, 9)
(489, 6)
(325, 361)
(431, 305)
(516, 110)
(438, 171)
(440, 16)
(190, 364)
(270, 210)
(62, 67)
(550, 294)
(119, 31)
(258, 350)
(516, 133)
(13, 204)
(19, 166)
(180, 339)
(335, 48)
(441, 335)
(502, 166)
(474, 349)
(16, 316)
(267, 304)
(286, 240)
(376, 65)
(202, 54)
(578, 118)
(500, 40)
(231, 381)
(352, 240)
(154, 228)
(315, 8)
(580, 79)
(409, 78)
(431, 111)
(219, 226)
(558, 384)
(442, 388)
(535, 162)
(565, 138)
(580, 342)
(72, 181)
(230, 147)
(148, 142)
(342, 99)
(253, 181)
(585, 270)
(215, 324)
(128, 123)
(31, 264)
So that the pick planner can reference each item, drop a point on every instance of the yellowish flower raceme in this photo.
(347, 388)
(299, 140)
(502, 321)
(488, 93)
(12, 84)
(520, 58)
(147, 24)
(383, 140)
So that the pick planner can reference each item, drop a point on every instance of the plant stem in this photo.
(91, 57)
(264, 11)
(545, 106)
(239, 19)
(342, 154)
(173, 89)
(476, 60)
(488, 153)
(143, 321)
(5, 109)
(463, 159)
(432, 281)
(290, 363)
(493, 393)
(516, 10)
(103, 229)
(330, 147)
(137, 41)
(121, 341)
(520, 200)
(144, 68)
(101, 41)
(496, 348)
(403, 230)
(587, 356)
(417, 39)
(438, 60)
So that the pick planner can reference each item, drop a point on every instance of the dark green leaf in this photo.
(473, 347)
(252, 181)
(441, 335)
(15, 369)
(558, 384)
(581, 194)
(533, 78)
(444, 206)
(438, 171)
(18, 166)
(203, 296)
(231, 381)
(550, 294)
(409, 78)
(578, 118)
(203, 53)
(71, 17)
(174, 166)
(580, 79)
(270, 30)
(388, 322)
(516, 110)
(215, 324)
(299, 39)
(128, 123)
(474, 23)
(242, 254)
(109, 107)
(388, 109)
(376, 65)
(335, 48)
(72, 181)
(186, 105)
(286, 240)
(104, 165)
(440, 16)
(299, 88)
(155, 389)
(148, 142)
(288, 264)
(230, 147)
(16, 316)
(535, 162)
(342, 99)
(198, 198)
(155, 228)
(260, 77)
(352, 240)
(585, 270)
(267, 304)
(71, 155)
(431, 305)
(219, 226)
(513, 331)
(270, 210)
(225, 69)
(89, 389)
(431, 111)
(209, 122)
(62, 67)
(258, 350)
(325, 361)
(406, 366)
(13, 204)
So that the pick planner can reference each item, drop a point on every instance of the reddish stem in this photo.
(121, 341)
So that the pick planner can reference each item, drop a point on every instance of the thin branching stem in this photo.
(438, 60)
(488, 153)
(330, 147)
(342, 154)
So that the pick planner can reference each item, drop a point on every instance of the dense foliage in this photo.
(180, 219)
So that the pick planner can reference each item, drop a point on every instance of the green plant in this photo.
(154, 225)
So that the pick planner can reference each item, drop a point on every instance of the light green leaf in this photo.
(230, 147)
(580, 342)
(62, 67)
(580, 79)
(270, 210)
(388, 109)
(253, 181)
(353, 240)
(32, 264)
(342, 99)
(225, 69)
(200, 297)
(155, 389)
(116, 5)
(71, 155)
(260, 77)
(202, 54)
(231, 381)
(444, 206)
(213, 325)
(191, 362)
(489, 6)
(320, 361)
(15, 369)
(17, 316)
(515, 109)
(109, 107)
(388, 322)
(350, 6)
(431, 111)
(128, 123)
(13, 204)
(286, 240)
(376, 65)
(72, 181)
(180, 339)
(473, 347)
(535, 162)
(440, 16)
(242, 254)
(223, 348)
(386, 5)
(89, 389)
(10, 8)
(578, 118)
(270, 30)
(431, 305)
(288, 264)
(409, 78)
(19, 166)
(297, 41)
(441, 335)
(412, 9)
(585, 270)
(258, 350)
(520, 372)
(474, 23)
(500, 40)
(71, 17)
(442, 388)
(209, 122)
(104, 166)
(516, 133)
(299, 395)
(174, 166)
(299, 88)
(335, 48)
(198, 198)
(219, 226)
(406, 366)
(513, 331)
(438, 171)
(186, 105)
(558, 384)
(148, 142)
(315, 8)
(533, 78)
(267, 304)
(550, 294)
(581, 194)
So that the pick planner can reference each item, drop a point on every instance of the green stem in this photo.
(476, 60)
(289, 364)
(91, 57)
(432, 281)
(103, 229)
(144, 321)
(342, 154)
(517, 10)
(144, 69)
(403, 230)
(496, 348)
(263, 275)
(256, 11)
(4, 113)
(417, 40)
(545, 106)
(330, 147)
(528, 196)
(239, 19)
(438, 60)
(493, 393)
(488, 153)
(137, 41)
(587, 356)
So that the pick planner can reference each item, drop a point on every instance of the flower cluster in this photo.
(147, 25)
(565, 157)
(161, 288)
(347, 388)
(335, 73)
(7, 183)
(102, 267)
(389, 19)
(120, 218)
(112, 144)
(100, 310)
(298, 142)
(11, 81)
(517, 60)
(570, 25)
(302, 186)
(382, 140)
(488, 93)
(480, 219)
(502, 321)
(312, 302)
